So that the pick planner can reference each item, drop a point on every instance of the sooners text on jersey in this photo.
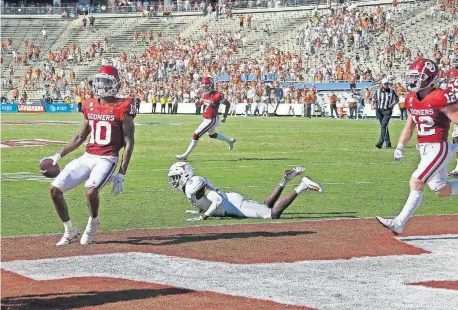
(106, 125)
(432, 124)
(452, 79)
(212, 102)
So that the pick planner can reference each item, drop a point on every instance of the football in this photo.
(48, 169)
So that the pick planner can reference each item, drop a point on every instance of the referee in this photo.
(383, 100)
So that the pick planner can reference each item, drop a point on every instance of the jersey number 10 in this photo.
(96, 132)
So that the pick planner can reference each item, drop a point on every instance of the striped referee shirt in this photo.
(385, 98)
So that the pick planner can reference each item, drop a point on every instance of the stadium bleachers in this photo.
(281, 35)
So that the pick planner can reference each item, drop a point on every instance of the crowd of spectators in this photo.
(169, 70)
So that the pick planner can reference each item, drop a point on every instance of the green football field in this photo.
(358, 179)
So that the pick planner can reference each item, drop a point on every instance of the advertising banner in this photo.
(30, 108)
(9, 108)
(58, 108)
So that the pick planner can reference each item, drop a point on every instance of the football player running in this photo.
(109, 122)
(430, 111)
(210, 201)
(452, 82)
(211, 99)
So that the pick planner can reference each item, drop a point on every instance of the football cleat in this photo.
(181, 157)
(89, 232)
(292, 173)
(68, 237)
(453, 173)
(390, 224)
(231, 144)
(310, 185)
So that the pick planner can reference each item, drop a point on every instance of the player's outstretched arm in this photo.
(128, 130)
(216, 201)
(406, 136)
(73, 144)
(228, 106)
(77, 140)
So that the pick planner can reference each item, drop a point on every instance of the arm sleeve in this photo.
(216, 200)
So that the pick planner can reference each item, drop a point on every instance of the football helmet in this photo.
(455, 60)
(106, 82)
(179, 174)
(421, 74)
(206, 85)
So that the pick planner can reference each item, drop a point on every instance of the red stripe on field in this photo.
(451, 285)
(19, 292)
(245, 244)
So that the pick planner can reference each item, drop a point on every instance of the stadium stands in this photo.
(305, 44)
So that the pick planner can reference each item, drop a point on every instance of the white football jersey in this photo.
(198, 200)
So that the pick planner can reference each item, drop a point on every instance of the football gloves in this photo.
(118, 183)
(399, 152)
(55, 158)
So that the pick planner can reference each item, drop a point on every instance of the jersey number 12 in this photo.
(424, 125)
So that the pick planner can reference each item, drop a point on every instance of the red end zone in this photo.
(236, 244)
(245, 244)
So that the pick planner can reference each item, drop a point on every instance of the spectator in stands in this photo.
(44, 34)
(91, 20)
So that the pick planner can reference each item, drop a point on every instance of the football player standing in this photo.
(211, 99)
(430, 111)
(452, 82)
(109, 122)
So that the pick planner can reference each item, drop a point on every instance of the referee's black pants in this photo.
(384, 116)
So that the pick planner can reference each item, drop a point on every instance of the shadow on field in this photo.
(75, 300)
(185, 238)
(319, 215)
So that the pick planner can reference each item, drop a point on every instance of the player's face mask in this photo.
(179, 174)
(105, 86)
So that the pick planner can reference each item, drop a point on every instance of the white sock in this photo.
(68, 226)
(283, 182)
(95, 220)
(456, 168)
(191, 146)
(454, 185)
(221, 137)
(412, 203)
(300, 188)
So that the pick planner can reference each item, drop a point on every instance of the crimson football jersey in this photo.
(106, 125)
(212, 102)
(432, 124)
(452, 79)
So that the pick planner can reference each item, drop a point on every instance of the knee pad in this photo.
(213, 135)
(195, 137)
(437, 186)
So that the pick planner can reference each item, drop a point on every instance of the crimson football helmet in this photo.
(455, 60)
(421, 74)
(106, 82)
(206, 85)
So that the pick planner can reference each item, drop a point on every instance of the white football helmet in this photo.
(179, 174)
